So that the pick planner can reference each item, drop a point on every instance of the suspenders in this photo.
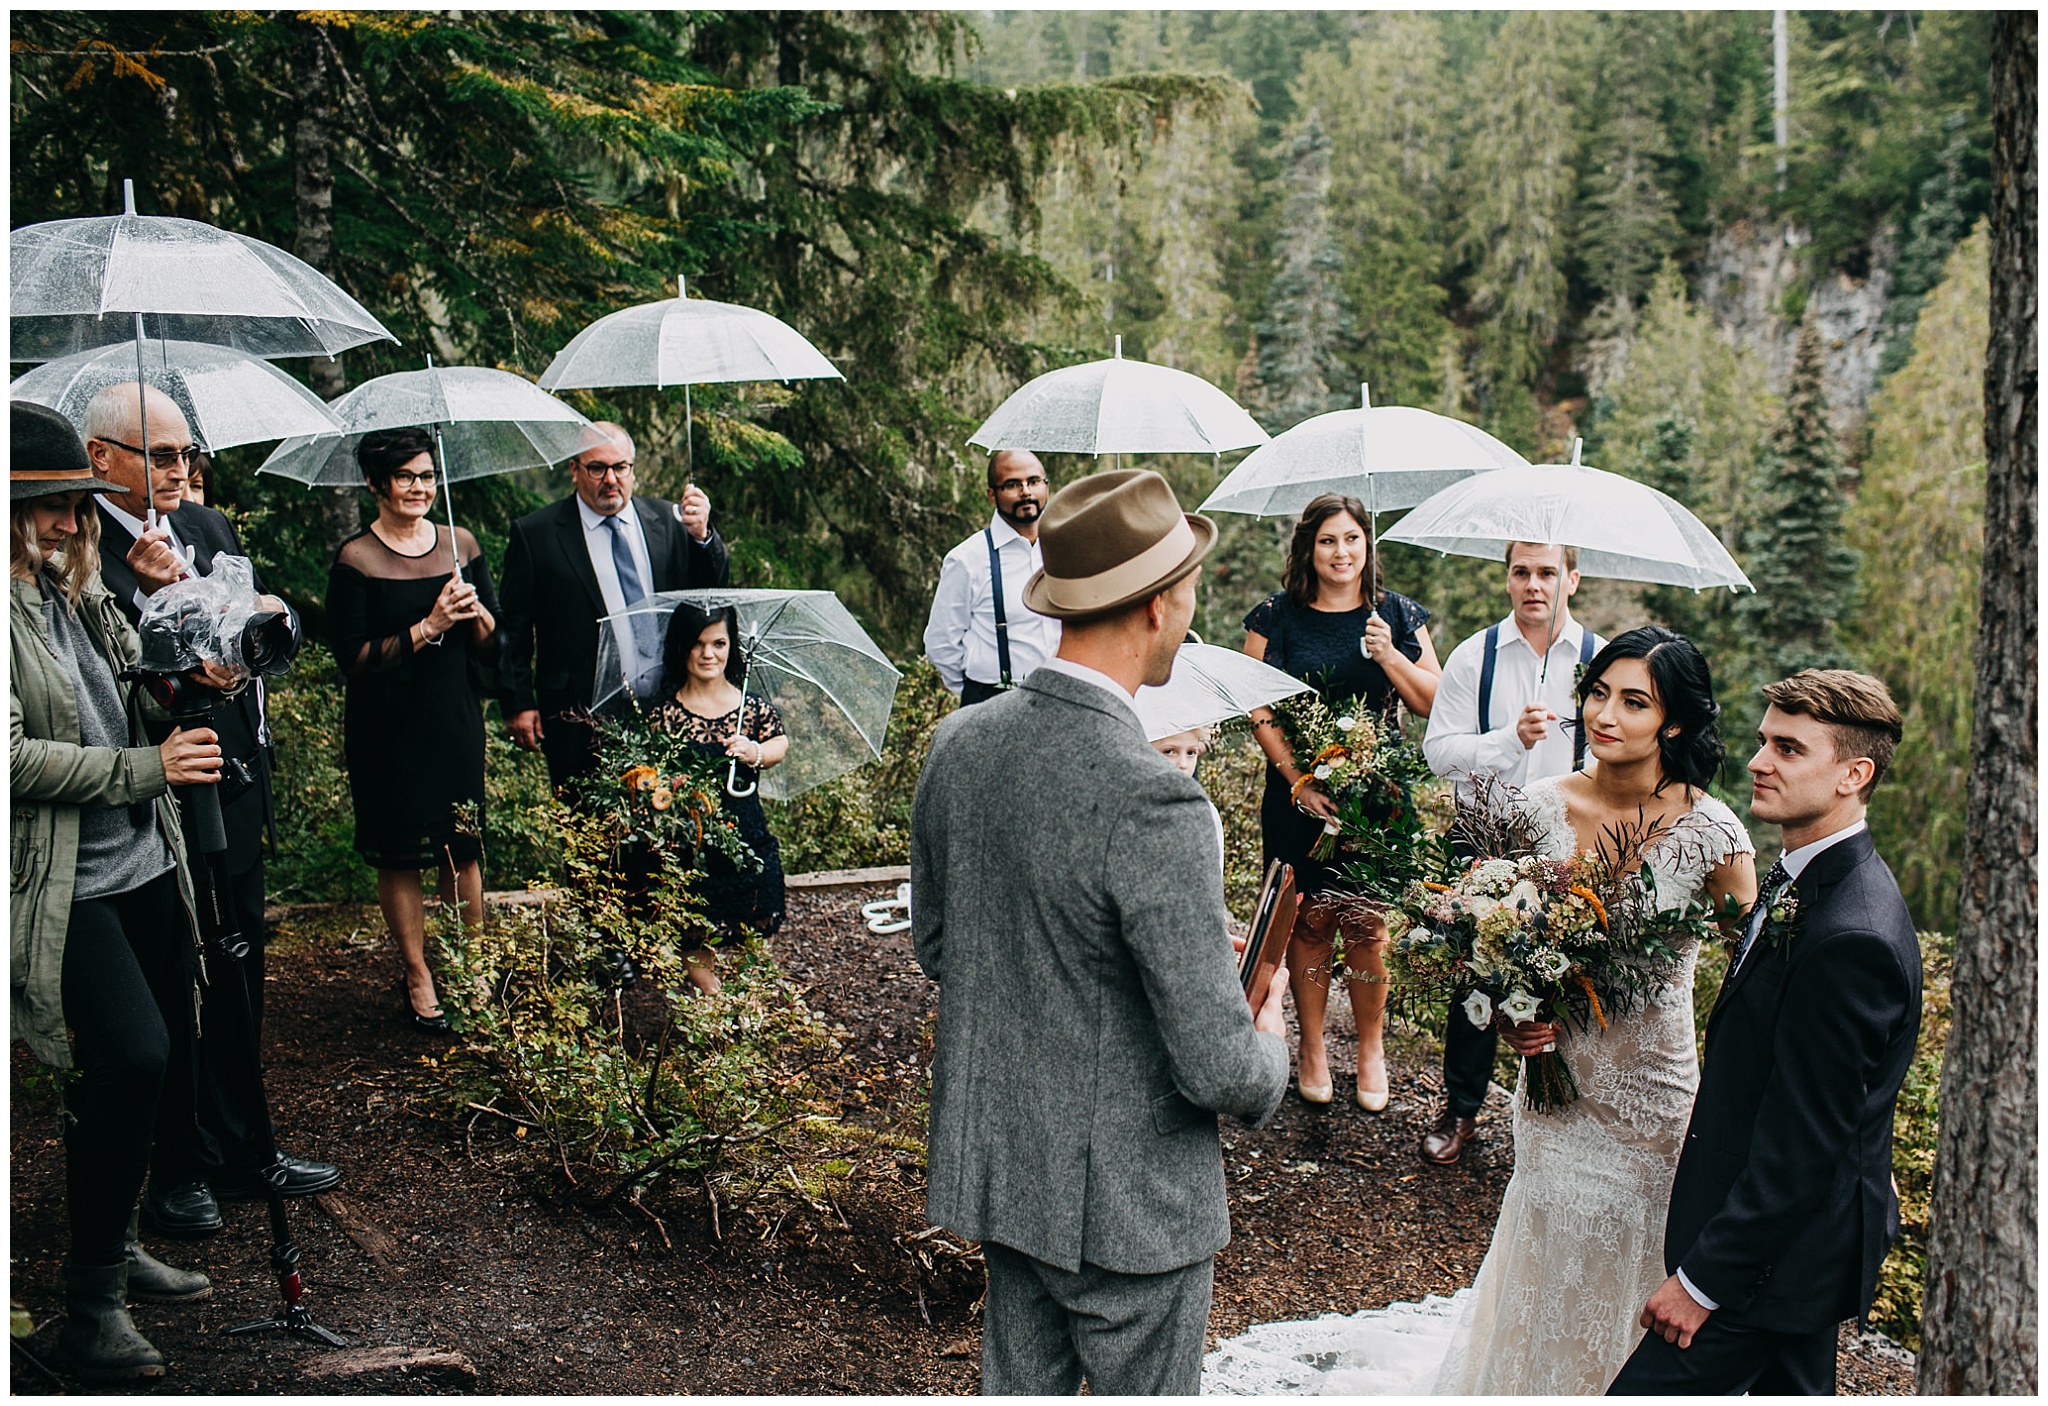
(1588, 646)
(995, 578)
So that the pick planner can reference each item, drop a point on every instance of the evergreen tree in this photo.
(1803, 570)
(1306, 326)
(1936, 227)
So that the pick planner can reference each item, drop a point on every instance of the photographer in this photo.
(103, 953)
(219, 1157)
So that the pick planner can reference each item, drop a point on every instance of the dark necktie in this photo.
(1775, 879)
(646, 632)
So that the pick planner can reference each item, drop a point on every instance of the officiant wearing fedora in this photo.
(1091, 1024)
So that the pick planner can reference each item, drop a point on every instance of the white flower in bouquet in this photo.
(1493, 875)
(1480, 908)
(1478, 1009)
(1346, 724)
(1520, 1006)
(1323, 772)
(1525, 896)
(1550, 964)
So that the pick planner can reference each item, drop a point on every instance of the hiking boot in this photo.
(98, 1341)
(150, 1280)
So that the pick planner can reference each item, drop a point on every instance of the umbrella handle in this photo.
(732, 782)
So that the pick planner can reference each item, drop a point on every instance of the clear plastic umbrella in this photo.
(228, 397)
(1386, 456)
(1119, 407)
(684, 341)
(1209, 684)
(78, 284)
(484, 422)
(806, 654)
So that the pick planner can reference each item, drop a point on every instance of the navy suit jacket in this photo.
(1782, 1208)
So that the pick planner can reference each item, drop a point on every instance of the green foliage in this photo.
(1306, 325)
(1805, 575)
(1926, 469)
(658, 1081)
(1915, 1136)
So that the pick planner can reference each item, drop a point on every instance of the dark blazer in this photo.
(1782, 1207)
(209, 534)
(549, 601)
(1091, 1024)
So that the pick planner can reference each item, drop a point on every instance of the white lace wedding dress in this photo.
(1579, 1245)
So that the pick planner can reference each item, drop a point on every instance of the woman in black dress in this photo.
(404, 627)
(1358, 645)
(702, 701)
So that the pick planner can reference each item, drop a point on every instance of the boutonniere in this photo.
(1782, 918)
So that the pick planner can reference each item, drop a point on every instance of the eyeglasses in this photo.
(161, 458)
(1018, 485)
(623, 470)
(401, 478)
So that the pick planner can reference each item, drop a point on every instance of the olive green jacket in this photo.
(50, 775)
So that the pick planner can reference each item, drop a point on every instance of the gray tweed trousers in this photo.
(1044, 1329)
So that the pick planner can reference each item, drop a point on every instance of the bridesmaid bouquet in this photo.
(1364, 764)
(1528, 937)
(652, 787)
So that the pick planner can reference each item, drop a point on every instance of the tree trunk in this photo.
(313, 199)
(1979, 1317)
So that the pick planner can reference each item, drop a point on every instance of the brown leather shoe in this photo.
(1445, 1143)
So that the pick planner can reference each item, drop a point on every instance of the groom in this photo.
(1783, 1206)
(1091, 1023)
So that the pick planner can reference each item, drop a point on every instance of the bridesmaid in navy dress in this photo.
(1361, 647)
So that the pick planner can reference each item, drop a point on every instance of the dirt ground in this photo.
(452, 1240)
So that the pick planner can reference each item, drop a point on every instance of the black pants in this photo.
(1728, 1359)
(128, 1000)
(1468, 1061)
(975, 691)
(233, 1132)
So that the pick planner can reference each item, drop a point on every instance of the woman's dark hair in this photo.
(1684, 687)
(380, 452)
(1300, 576)
(684, 627)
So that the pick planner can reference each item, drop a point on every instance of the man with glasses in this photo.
(217, 1162)
(982, 638)
(571, 564)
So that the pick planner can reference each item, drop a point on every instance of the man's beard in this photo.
(1023, 515)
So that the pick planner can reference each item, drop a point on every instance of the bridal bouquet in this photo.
(1530, 937)
(652, 787)
(1365, 766)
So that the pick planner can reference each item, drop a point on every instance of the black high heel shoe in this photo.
(424, 1024)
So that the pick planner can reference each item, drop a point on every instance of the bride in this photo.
(1579, 1245)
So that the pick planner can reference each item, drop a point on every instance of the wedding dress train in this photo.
(1579, 1245)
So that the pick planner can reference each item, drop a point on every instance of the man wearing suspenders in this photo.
(1500, 713)
(982, 638)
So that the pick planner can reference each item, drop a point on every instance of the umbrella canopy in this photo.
(76, 284)
(807, 655)
(683, 341)
(1386, 456)
(1209, 684)
(1119, 407)
(228, 397)
(489, 422)
(1623, 529)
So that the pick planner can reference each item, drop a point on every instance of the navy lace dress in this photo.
(1325, 649)
(733, 897)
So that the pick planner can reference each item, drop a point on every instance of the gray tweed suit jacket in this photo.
(1068, 899)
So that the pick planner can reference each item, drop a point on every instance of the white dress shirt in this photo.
(1795, 862)
(597, 540)
(960, 639)
(1454, 744)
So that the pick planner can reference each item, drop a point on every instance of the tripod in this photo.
(206, 839)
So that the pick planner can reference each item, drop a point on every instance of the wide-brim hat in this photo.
(46, 456)
(1112, 540)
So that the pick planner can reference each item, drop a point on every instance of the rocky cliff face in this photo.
(1745, 279)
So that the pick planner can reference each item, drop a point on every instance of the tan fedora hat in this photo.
(1110, 540)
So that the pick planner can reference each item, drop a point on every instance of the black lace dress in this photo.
(733, 897)
(1324, 649)
(413, 734)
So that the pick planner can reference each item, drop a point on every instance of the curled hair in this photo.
(1300, 576)
(77, 563)
(380, 453)
(1857, 710)
(685, 626)
(1684, 687)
